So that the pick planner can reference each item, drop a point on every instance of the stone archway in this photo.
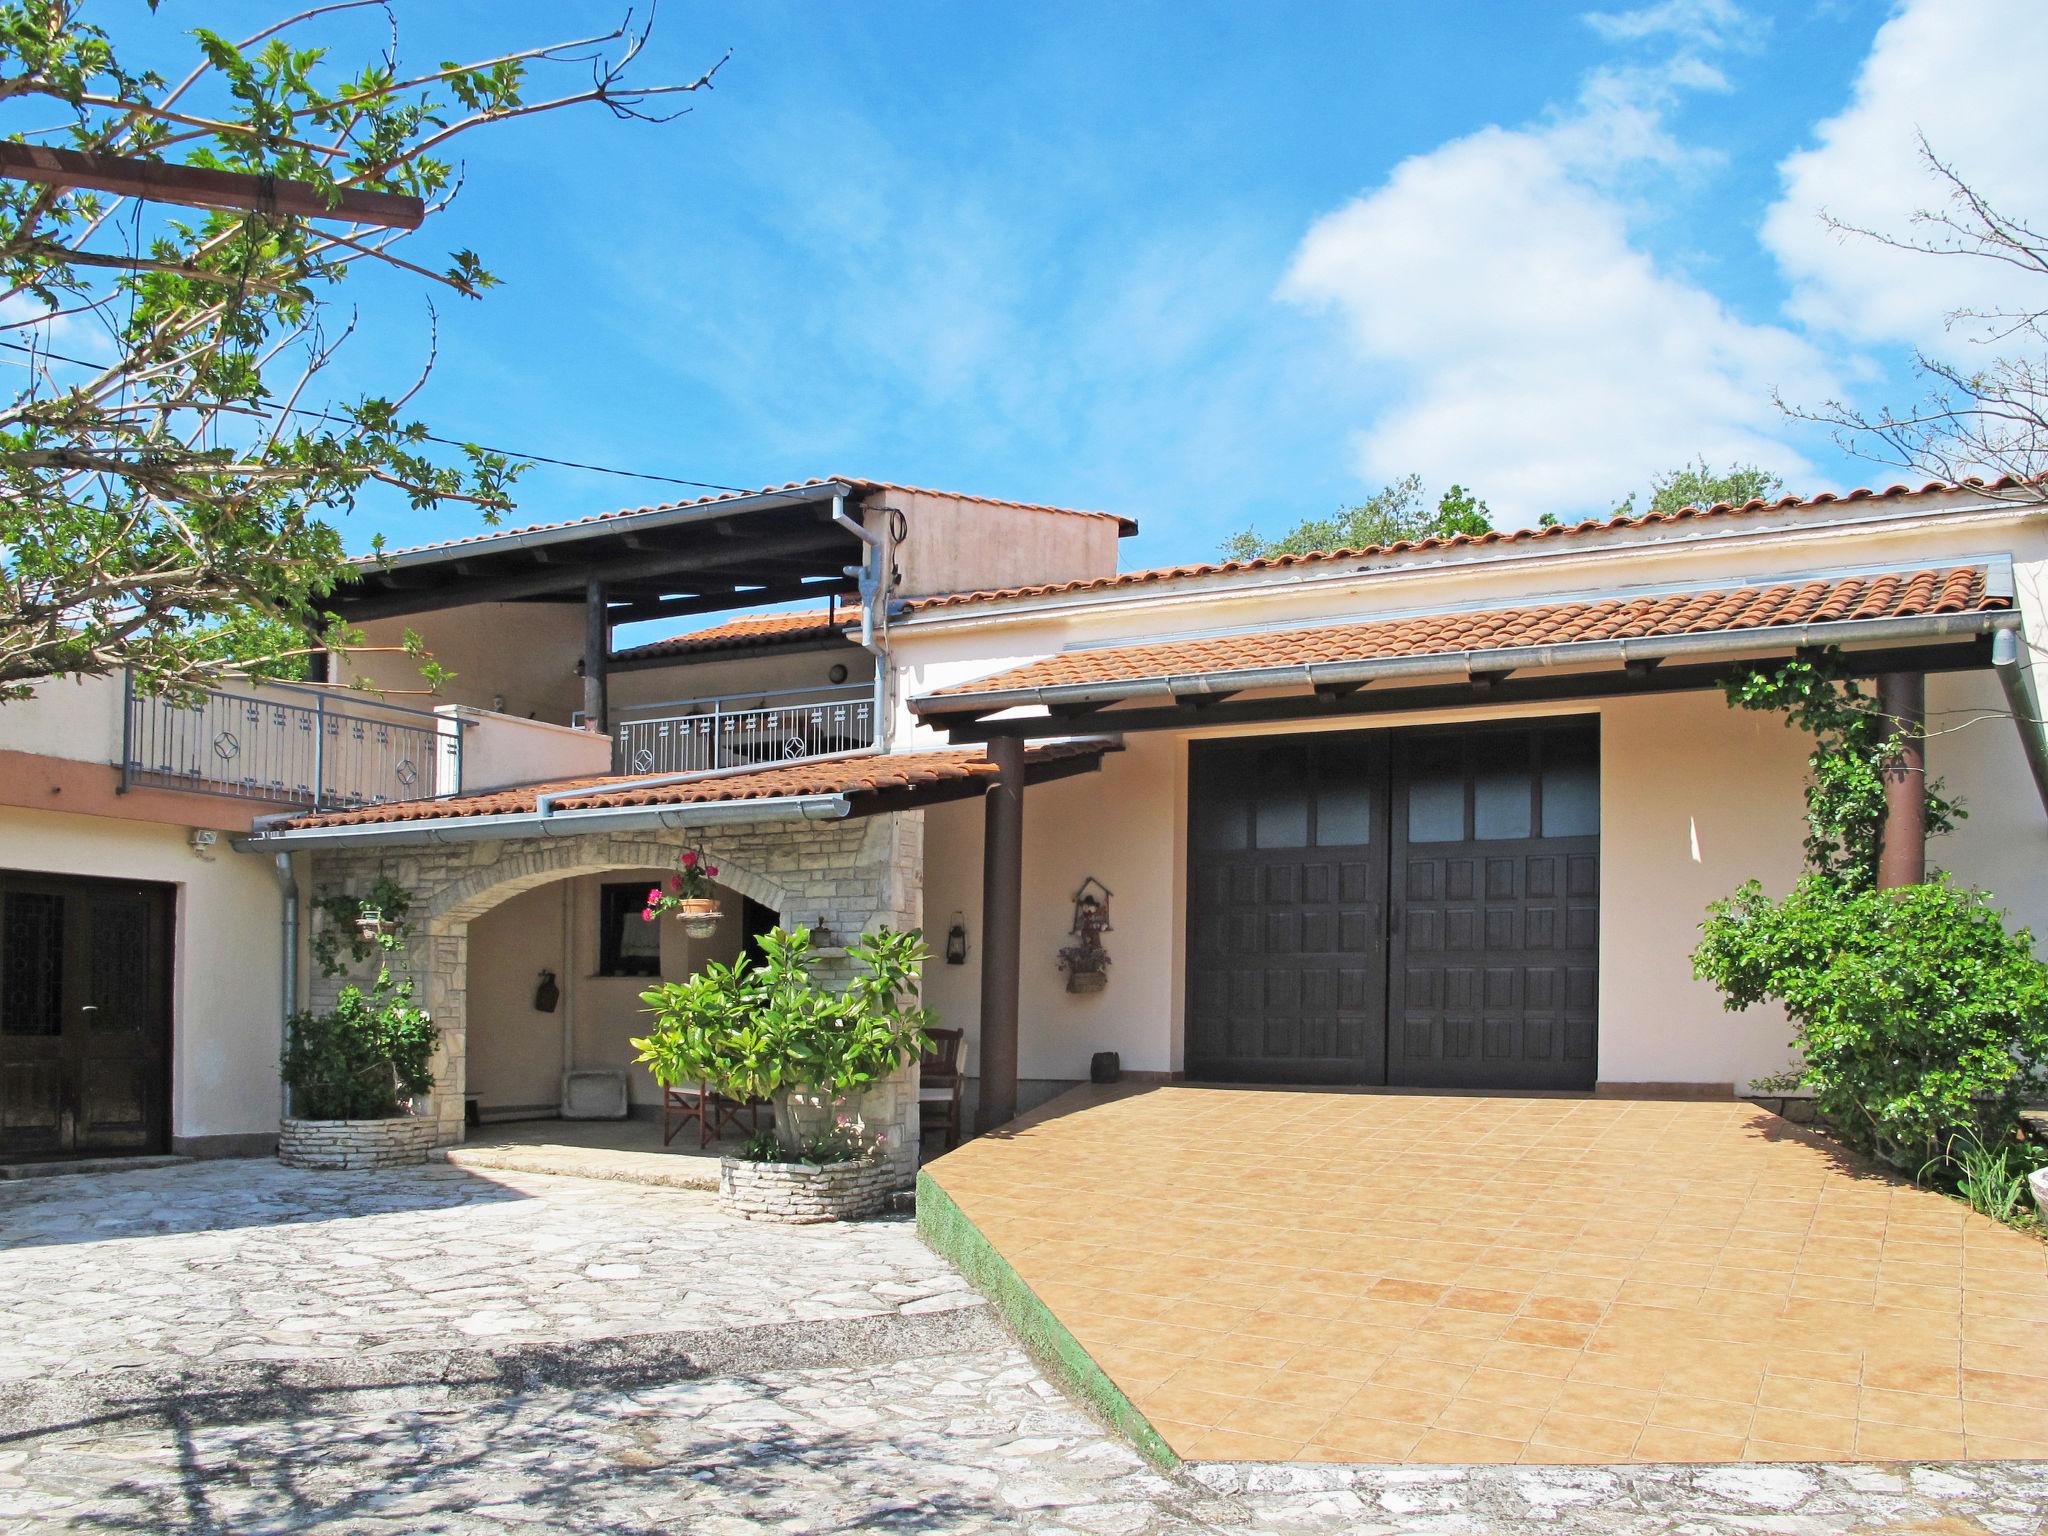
(854, 875)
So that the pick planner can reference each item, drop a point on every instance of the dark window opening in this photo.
(628, 945)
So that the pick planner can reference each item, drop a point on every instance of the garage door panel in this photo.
(1496, 953)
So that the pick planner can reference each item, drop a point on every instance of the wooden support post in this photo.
(1002, 902)
(1902, 850)
(198, 186)
(597, 648)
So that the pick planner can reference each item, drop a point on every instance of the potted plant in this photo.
(352, 1070)
(687, 894)
(770, 1030)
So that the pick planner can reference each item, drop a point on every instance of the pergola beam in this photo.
(198, 186)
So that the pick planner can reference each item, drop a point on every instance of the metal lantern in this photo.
(956, 940)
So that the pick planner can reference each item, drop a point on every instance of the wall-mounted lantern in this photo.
(548, 995)
(1085, 961)
(956, 940)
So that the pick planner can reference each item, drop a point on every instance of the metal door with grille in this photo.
(1416, 908)
(85, 1017)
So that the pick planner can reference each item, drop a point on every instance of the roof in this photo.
(1820, 600)
(1494, 537)
(788, 487)
(755, 629)
(851, 776)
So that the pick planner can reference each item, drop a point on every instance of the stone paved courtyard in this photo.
(239, 1347)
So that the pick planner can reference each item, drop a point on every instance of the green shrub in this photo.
(364, 1058)
(1917, 1012)
(374, 1049)
(769, 1030)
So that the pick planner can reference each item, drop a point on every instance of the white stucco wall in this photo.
(1696, 798)
(225, 1005)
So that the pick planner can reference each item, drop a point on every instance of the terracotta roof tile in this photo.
(844, 776)
(624, 513)
(752, 630)
(1498, 536)
(1959, 589)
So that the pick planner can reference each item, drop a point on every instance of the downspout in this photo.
(2014, 678)
(873, 576)
(288, 891)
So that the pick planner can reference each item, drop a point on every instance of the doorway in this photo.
(85, 1016)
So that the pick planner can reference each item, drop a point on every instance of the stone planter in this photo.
(800, 1194)
(399, 1142)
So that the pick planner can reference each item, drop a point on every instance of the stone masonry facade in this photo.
(853, 875)
(395, 1143)
(798, 1194)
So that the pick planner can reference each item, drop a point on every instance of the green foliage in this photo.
(1993, 1179)
(1699, 484)
(374, 1049)
(1845, 808)
(1394, 513)
(769, 1030)
(1917, 1012)
(362, 1059)
(169, 476)
(341, 928)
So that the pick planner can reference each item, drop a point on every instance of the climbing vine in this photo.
(344, 928)
(373, 1051)
(1845, 793)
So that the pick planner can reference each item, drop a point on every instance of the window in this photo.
(627, 944)
(1436, 792)
(1503, 790)
(1571, 785)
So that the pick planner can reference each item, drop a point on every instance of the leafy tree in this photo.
(1396, 512)
(169, 479)
(1699, 484)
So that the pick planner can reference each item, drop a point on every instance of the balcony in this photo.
(742, 730)
(289, 746)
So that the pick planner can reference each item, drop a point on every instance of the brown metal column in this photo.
(1002, 902)
(1902, 851)
(597, 646)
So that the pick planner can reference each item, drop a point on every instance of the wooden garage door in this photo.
(1497, 875)
(1287, 973)
(1416, 908)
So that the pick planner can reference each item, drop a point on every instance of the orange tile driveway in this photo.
(1388, 1277)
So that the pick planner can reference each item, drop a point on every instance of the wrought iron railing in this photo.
(741, 731)
(291, 746)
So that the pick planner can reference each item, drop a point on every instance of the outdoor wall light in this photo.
(956, 940)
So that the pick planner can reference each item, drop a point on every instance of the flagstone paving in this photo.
(251, 1261)
(857, 1385)
(1417, 1278)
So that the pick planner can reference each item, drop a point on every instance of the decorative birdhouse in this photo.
(1085, 961)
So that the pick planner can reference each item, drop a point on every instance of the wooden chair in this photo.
(714, 1113)
(941, 1075)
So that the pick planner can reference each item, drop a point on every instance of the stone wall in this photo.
(850, 876)
(801, 1193)
(392, 1143)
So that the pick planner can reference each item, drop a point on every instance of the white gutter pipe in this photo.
(288, 892)
(620, 818)
(2020, 698)
(1460, 666)
(873, 578)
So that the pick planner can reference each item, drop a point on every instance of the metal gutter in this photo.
(611, 818)
(1457, 666)
(2016, 678)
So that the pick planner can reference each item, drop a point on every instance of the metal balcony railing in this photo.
(743, 730)
(288, 745)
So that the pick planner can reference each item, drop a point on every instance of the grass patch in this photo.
(947, 1231)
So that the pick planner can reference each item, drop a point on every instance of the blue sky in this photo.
(1203, 264)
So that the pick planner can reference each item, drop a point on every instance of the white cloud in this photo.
(1532, 348)
(1714, 23)
(1962, 73)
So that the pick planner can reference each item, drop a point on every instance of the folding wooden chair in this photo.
(941, 1076)
(714, 1113)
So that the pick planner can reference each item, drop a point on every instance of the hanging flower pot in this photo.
(700, 915)
(686, 894)
(370, 924)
